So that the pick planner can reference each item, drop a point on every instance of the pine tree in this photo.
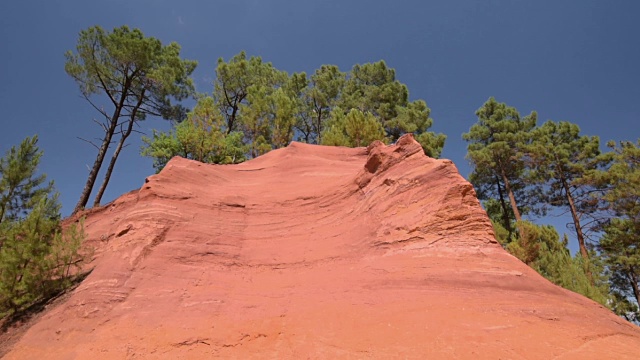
(139, 77)
(257, 120)
(373, 88)
(353, 130)
(264, 109)
(620, 244)
(36, 259)
(234, 80)
(495, 151)
(200, 137)
(561, 159)
(296, 88)
(20, 188)
(539, 246)
(323, 94)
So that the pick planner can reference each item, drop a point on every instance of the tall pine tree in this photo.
(495, 150)
(137, 76)
(560, 160)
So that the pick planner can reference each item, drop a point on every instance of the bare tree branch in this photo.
(90, 142)
(97, 72)
(103, 126)
(100, 110)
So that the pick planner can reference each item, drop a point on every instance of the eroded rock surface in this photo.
(314, 252)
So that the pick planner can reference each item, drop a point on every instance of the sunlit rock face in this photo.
(314, 252)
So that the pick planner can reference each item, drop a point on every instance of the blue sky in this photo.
(570, 60)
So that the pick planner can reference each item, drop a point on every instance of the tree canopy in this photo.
(620, 244)
(264, 108)
(521, 169)
(200, 137)
(496, 143)
(137, 77)
(561, 159)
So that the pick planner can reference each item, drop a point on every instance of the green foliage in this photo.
(620, 244)
(495, 211)
(36, 259)
(137, 76)
(263, 108)
(267, 119)
(520, 168)
(496, 143)
(353, 130)
(20, 188)
(200, 137)
(247, 92)
(130, 68)
(623, 305)
(295, 88)
(372, 88)
(234, 80)
(323, 95)
(539, 246)
(561, 160)
(283, 110)
(316, 97)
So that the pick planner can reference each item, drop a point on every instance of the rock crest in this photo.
(314, 252)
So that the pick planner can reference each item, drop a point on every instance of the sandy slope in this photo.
(314, 252)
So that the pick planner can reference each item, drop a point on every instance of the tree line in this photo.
(521, 169)
(255, 108)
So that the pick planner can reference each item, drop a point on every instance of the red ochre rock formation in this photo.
(314, 252)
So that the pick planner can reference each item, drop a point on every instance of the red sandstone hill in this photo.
(314, 252)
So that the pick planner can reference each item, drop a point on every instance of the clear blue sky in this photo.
(573, 60)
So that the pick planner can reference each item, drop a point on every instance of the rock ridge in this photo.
(314, 252)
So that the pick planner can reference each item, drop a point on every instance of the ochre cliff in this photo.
(314, 252)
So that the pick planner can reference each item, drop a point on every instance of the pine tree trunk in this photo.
(512, 198)
(514, 206)
(88, 187)
(3, 208)
(116, 153)
(505, 213)
(319, 126)
(112, 164)
(102, 152)
(576, 221)
(579, 234)
(633, 279)
(232, 120)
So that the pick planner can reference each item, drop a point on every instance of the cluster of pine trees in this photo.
(37, 260)
(255, 108)
(521, 168)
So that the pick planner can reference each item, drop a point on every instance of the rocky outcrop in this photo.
(314, 252)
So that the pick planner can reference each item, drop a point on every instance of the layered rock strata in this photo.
(314, 252)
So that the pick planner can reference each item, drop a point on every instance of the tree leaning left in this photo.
(137, 76)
